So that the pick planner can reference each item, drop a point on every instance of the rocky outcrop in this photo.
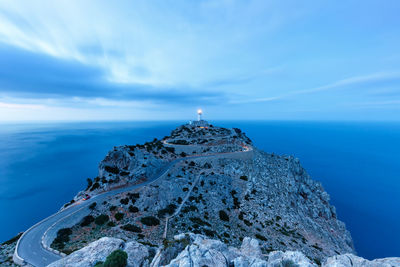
(355, 261)
(100, 249)
(197, 250)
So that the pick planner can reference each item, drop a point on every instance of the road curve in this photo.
(29, 248)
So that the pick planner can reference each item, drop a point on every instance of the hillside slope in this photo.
(236, 192)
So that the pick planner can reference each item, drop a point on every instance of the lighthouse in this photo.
(199, 113)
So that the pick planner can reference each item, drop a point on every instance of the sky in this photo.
(162, 60)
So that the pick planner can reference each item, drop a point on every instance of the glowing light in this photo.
(199, 111)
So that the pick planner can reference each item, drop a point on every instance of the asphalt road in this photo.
(29, 246)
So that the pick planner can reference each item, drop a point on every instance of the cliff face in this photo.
(224, 188)
(189, 249)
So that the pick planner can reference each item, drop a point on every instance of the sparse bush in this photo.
(117, 258)
(289, 263)
(223, 216)
(170, 209)
(89, 182)
(95, 186)
(111, 224)
(113, 170)
(119, 216)
(87, 220)
(62, 237)
(92, 206)
(133, 209)
(101, 219)
(150, 221)
(261, 237)
(244, 178)
(112, 208)
(124, 201)
(132, 228)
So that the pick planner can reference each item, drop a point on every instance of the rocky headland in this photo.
(210, 198)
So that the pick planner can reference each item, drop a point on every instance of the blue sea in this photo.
(42, 166)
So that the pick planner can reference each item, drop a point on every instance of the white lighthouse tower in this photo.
(199, 113)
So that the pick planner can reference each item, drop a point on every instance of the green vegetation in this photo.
(119, 216)
(261, 237)
(62, 237)
(92, 206)
(170, 209)
(87, 220)
(150, 221)
(124, 201)
(244, 178)
(101, 219)
(131, 228)
(199, 221)
(12, 240)
(289, 263)
(114, 170)
(133, 209)
(223, 216)
(95, 186)
(89, 182)
(117, 258)
(113, 208)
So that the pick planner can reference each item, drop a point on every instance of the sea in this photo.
(43, 165)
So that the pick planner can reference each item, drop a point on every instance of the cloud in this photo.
(374, 79)
(26, 74)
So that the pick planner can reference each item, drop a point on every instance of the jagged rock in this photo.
(276, 258)
(100, 249)
(250, 248)
(350, 260)
(203, 251)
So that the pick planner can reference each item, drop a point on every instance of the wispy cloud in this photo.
(356, 81)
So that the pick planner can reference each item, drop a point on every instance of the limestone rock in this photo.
(100, 249)
(277, 258)
(350, 260)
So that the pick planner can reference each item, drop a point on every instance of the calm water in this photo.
(42, 166)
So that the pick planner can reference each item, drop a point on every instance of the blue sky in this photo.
(157, 60)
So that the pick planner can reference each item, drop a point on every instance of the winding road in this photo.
(29, 248)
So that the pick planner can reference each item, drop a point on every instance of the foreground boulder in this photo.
(197, 250)
(100, 249)
(355, 261)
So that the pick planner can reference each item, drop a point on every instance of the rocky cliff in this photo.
(190, 249)
(220, 186)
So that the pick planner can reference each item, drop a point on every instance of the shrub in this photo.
(111, 224)
(119, 216)
(87, 220)
(89, 182)
(92, 206)
(133, 209)
(117, 258)
(261, 237)
(113, 208)
(289, 263)
(199, 221)
(110, 169)
(150, 221)
(183, 154)
(223, 216)
(170, 209)
(244, 178)
(95, 186)
(62, 237)
(124, 201)
(132, 228)
(101, 219)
